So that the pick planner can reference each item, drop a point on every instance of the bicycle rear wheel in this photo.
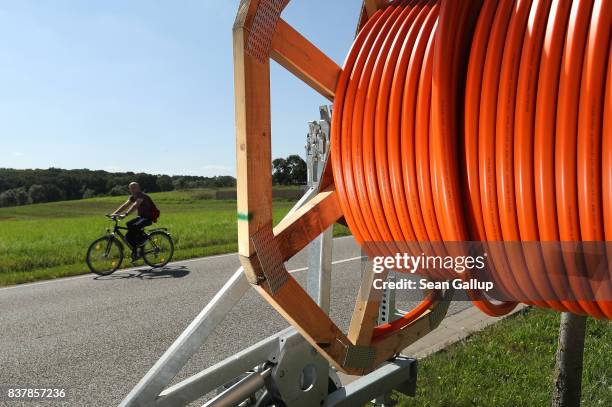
(104, 255)
(157, 251)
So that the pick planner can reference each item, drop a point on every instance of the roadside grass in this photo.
(50, 240)
(511, 364)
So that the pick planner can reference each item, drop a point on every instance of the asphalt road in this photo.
(97, 336)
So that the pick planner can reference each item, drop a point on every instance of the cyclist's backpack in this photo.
(154, 213)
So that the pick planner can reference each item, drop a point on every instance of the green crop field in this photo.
(50, 240)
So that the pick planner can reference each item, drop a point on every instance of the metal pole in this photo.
(318, 281)
(240, 391)
(221, 373)
(318, 284)
(188, 343)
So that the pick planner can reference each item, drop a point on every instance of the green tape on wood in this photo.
(244, 216)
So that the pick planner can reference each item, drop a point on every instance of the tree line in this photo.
(21, 187)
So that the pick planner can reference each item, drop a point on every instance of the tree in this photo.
(567, 387)
(89, 193)
(54, 193)
(37, 194)
(147, 182)
(119, 190)
(280, 171)
(297, 169)
(179, 182)
(8, 198)
(224, 181)
(289, 171)
(66, 185)
(227, 181)
(22, 196)
(164, 183)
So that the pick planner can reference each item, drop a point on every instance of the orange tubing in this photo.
(590, 127)
(470, 168)
(567, 123)
(606, 164)
(489, 89)
(504, 146)
(483, 120)
(544, 149)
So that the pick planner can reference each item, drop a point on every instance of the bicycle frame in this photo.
(116, 231)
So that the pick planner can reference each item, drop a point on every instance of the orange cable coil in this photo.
(487, 121)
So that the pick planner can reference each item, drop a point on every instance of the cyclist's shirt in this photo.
(145, 207)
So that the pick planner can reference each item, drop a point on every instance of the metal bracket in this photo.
(270, 258)
(300, 377)
(400, 374)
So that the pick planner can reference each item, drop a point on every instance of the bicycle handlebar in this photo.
(115, 217)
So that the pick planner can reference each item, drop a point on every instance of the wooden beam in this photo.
(368, 8)
(300, 57)
(253, 141)
(371, 6)
(366, 309)
(298, 229)
(393, 344)
(327, 178)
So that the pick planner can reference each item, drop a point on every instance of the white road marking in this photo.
(333, 262)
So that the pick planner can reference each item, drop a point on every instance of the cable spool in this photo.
(483, 121)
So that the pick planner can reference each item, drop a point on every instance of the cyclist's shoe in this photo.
(135, 256)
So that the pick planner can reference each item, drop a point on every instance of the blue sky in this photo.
(136, 85)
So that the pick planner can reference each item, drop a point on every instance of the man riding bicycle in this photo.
(147, 214)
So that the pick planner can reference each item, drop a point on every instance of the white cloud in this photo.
(113, 168)
(206, 170)
(220, 168)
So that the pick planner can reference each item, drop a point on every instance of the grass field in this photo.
(511, 364)
(50, 240)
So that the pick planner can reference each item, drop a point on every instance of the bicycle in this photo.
(105, 254)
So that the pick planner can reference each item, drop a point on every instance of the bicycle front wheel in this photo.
(158, 249)
(105, 255)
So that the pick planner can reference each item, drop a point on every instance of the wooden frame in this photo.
(260, 34)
